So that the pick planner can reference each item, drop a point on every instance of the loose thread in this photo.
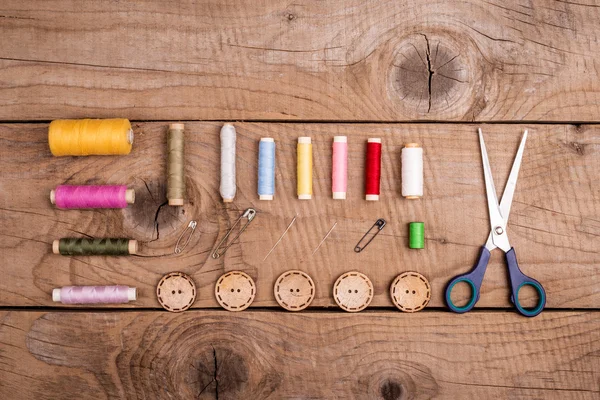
(90, 137)
(266, 169)
(304, 167)
(373, 169)
(94, 294)
(228, 142)
(92, 196)
(339, 170)
(94, 247)
(412, 171)
(176, 165)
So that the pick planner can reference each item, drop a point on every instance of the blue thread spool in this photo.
(266, 169)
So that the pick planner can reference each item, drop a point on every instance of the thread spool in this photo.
(92, 196)
(373, 169)
(176, 165)
(416, 235)
(85, 137)
(94, 247)
(339, 167)
(228, 139)
(412, 171)
(266, 169)
(94, 294)
(304, 166)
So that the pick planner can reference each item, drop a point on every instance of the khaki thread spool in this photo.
(412, 171)
(95, 247)
(85, 137)
(175, 165)
(304, 167)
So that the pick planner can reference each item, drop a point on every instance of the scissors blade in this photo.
(511, 185)
(497, 223)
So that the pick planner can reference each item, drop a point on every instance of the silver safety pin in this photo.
(379, 225)
(191, 227)
(250, 213)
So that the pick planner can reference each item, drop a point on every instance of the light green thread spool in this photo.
(94, 247)
(416, 235)
(175, 165)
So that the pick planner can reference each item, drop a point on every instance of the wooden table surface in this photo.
(410, 71)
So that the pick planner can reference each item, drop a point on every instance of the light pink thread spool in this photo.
(94, 294)
(339, 167)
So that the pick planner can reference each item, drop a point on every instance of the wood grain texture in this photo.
(280, 355)
(554, 225)
(353, 60)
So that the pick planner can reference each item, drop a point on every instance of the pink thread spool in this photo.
(339, 167)
(94, 294)
(92, 196)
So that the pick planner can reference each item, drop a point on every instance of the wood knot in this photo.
(391, 390)
(434, 76)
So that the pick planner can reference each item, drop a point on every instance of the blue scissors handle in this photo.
(517, 280)
(473, 278)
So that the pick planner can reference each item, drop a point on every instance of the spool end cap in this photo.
(56, 295)
(372, 197)
(177, 126)
(131, 294)
(340, 139)
(304, 196)
(175, 202)
(132, 246)
(374, 140)
(339, 195)
(55, 246)
(130, 196)
(53, 196)
(265, 197)
(229, 200)
(304, 139)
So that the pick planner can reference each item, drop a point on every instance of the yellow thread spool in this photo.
(304, 151)
(85, 137)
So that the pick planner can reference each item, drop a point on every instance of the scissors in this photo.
(498, 239)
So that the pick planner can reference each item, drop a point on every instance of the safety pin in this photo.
(191, 227)
(250, 213)
(379, 224)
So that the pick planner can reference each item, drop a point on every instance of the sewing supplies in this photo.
(410, 292)
(304, 166)
(94, 294)
(94, 247)
(222, 247)
(377, 226)
(339, 167)
(175, 164)
(281, 237)
(85, 137)
(235, 291)
(373, 169)
(416, 235)
(228, 139)
(498, 238)
(266, 169)
(92, 196)
(294, 290)
(412, 171)
(191, 228)
(353, 291)
(324, 238)
(176, 292)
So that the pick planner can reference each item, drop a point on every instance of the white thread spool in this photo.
(412, 171)
(228, 163)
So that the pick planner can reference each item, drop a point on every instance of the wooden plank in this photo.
(257, 355)
(351, 60)
(554, 225)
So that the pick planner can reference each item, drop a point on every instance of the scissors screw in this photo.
(499, 230)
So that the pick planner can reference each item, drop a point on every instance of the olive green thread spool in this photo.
(416, 235)
(94, 247)
(175, 165)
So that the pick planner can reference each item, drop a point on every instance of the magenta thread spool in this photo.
(94, 294)
(92, 196)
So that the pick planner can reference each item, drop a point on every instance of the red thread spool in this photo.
(373, 169)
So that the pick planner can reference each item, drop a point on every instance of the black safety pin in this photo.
(379, 224)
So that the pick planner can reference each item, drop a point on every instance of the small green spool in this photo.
(94, 247)
(416, 235)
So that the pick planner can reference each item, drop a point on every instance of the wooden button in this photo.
(235, 291)
(353, 291)
(410, 291)
(294, 290)
(176, 292)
